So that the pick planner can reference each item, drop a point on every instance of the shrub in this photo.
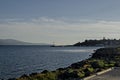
(98, 64)
(68, 75)
(70, 70)
(88, 71)
(91, 69)
(46, 76)
(81, 74)
(106, 65)
(51, 76)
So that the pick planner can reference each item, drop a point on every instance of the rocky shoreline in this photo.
(101, 59)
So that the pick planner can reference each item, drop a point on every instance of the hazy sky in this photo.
(59, 21)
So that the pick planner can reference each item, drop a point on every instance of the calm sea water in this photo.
(18, 60)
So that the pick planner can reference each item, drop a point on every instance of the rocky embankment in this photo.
(102, 59)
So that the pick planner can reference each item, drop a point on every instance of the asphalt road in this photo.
(114, 74)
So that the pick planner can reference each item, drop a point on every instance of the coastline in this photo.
(79, 70)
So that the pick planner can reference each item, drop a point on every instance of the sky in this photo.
(59, 21)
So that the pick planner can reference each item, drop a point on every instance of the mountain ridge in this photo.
(18, 42)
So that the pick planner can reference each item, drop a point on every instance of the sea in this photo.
(18, 60)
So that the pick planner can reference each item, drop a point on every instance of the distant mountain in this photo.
(17, 42)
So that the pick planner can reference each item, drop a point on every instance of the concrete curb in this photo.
(99, 73)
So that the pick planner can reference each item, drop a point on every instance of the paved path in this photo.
(114, 74)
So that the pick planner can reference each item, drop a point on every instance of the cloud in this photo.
(45, 20)
(59, 30)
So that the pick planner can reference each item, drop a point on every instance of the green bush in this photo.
(70, 70)
(81, 74)
(98, 64)
(51, 76)
(91, 69)
(106, 65)
(111, 65)
(44, 76)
